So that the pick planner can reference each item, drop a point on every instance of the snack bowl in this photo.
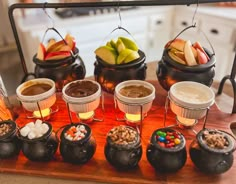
(166, 151)
(41, 91)
(80, 148)
(126, 152)
(131, 105)
(212, 151)
(10, 145)
(38, 146)
(79, 96)
(190, 99)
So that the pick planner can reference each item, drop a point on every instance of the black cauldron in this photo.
(165, 159)
(212, 160)
(10, 145)
(169, 71)
(123, 156)
(77, 152)
(42, 148)
(62, 71)
(108, 76)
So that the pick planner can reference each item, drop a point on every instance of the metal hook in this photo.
(120, 23)
(194, 14)
(50, 18)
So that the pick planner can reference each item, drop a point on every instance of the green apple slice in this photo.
(122, 55)
(188, 54)
(113, 44)
(131, 57)
(120, 45)
(107, 54)
(129, 43)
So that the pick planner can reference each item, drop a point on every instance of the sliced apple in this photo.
(107, 54)
(194, 52)
(177, 44)
(123, 54)
(132, 56)
(202, 59)
(57, 55)
(50, 43)
(113, 43)
(197, 45)
(65, 48)
(120, 46)
(189, 57)
(176, 58)
(56, 46)
(70, 41)
(129, 44)
(41, 52)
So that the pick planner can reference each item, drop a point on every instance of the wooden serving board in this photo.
(98, 169)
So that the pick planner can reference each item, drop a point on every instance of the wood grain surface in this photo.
(99, 170)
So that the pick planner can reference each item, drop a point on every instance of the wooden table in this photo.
(99, 170)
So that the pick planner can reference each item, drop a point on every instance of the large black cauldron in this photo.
(169, 71)
(108, 76)
(62, 71)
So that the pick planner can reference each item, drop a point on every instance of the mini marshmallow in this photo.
(44, 128)
(30, 125)
(38, 123)
(24, 131)
(31, 135)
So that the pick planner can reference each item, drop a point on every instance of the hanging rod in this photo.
(92, 4)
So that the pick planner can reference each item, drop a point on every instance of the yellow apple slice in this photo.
(129, 44)
(122, 55)
(50, 43)
(41, 52)
(107, 54)
(113, 43)
(188, 54)
(177, 44)
(120, 45)
(176, 58)
(56, 46)
(132, 56)
(70, 41)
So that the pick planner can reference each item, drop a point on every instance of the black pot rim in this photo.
(79, 142)
(58, 62)
(229, 149)
(10, 133)
(140, 60)
(43, 137)
(170, 150)
(134, 145)
(196, 68)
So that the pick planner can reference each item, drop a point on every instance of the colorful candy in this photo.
(168, 139)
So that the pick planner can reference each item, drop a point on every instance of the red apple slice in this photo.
(202, 59)
(70, 41)
(197, 45)
(189, 57)
(56, 46)
(57, 55)
(41, 52)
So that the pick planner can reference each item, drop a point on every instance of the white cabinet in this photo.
(219, 27)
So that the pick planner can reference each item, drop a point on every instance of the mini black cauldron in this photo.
(123, 156)
(62, 71)
(42, 148)
(169, 71)
(108, 76)
(164, 158)
(77, 152)
(209, 159)
(10, 145)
